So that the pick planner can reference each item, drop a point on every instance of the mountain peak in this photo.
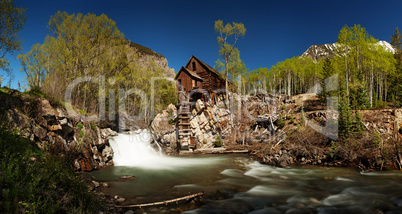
(329, 50)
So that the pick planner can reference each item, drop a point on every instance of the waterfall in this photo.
(135, 150)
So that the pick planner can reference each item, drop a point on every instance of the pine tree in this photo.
(358, 126)
(326, 72)
(358, 97)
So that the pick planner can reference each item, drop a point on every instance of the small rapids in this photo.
(237, 184)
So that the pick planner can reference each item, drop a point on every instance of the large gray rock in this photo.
(199, 105)
(172, 110)
(105, 133)
(160, 125)
(107, 153)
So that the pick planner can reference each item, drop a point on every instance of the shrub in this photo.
(376, 141)
(80, 126)
(82, 111)
(280, 122)
(218, 142)
(291, 118)
(333, 151)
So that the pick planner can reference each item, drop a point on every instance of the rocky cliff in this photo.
(144, 56)
(207, 122)
(52, 129)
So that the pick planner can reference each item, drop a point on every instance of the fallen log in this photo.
(188, 197)
(215, 151)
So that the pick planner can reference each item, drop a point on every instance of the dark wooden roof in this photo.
(209, 68)
(193, 74)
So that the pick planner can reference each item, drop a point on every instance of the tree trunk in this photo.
(289, 84)
(371, 85)
(347, 77)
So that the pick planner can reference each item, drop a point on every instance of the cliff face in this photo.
(144, 56)
(52, 129)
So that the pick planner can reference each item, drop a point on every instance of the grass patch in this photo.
(36, 182)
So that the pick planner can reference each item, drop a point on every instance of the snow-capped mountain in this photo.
(329, 50)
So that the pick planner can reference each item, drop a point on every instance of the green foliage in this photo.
(358, 97)
(81, 133)
(366, 71)
(80, 126)
(218, 141)
(345, 120)
(348, 122)
(82, 111)
(376, 141)
(227, 39)
(283, 107)
(98, 50)
(144, 50)
(12, 19)
(93, 125)
(35, 182)
(36, 91)
(358, 124)
(333, 151)
(290, 117)
(280, 122)
(326, 82)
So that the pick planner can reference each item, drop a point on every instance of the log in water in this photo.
(236, 184)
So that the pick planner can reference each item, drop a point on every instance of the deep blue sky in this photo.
(276, 30)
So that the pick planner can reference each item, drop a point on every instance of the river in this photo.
(237, 184)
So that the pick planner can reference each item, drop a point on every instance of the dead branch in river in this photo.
(189, 197)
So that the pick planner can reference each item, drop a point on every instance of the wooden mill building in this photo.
(196, 80)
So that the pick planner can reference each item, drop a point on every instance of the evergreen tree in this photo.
(325, 82)
(358, 125)
(358, 97)
(345, 117)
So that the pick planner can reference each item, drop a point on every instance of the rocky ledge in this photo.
(53, 130)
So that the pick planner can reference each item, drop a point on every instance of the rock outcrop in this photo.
(207, 123)
(50, 127)
(145, 57)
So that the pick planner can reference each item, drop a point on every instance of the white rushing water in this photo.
(135, 150)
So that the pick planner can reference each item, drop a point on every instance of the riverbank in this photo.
(236, 184)
(286, 131)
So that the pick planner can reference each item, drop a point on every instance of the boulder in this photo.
(39, 132)
(194, 122)
(107, 153)
(398, 113)
(160, 124)
(203, 119)
(199, 105)
(172, 110)
(105, 133)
